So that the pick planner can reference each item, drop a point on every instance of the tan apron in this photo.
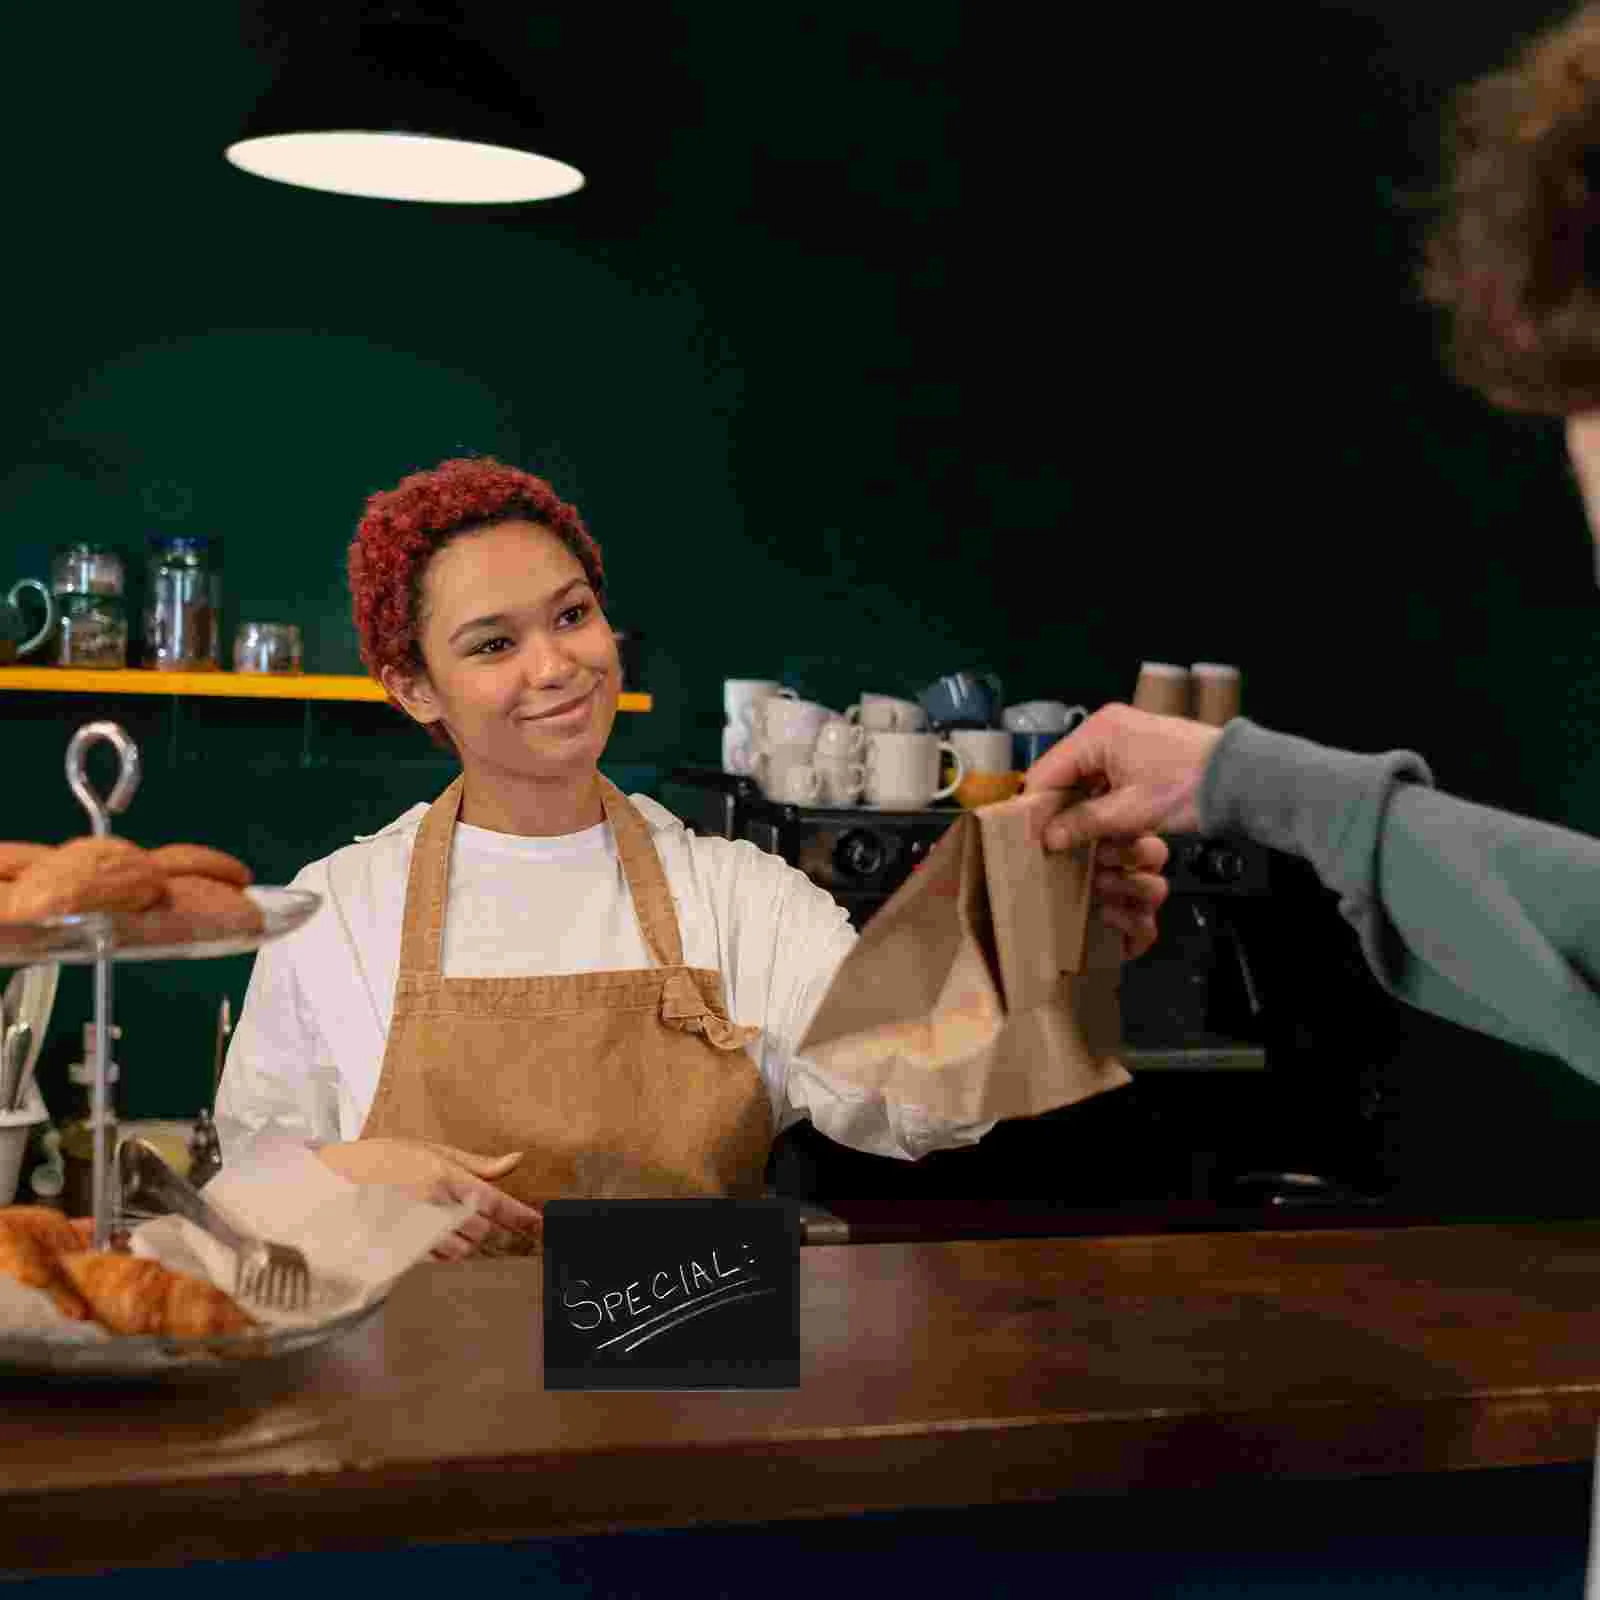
(615, 1084)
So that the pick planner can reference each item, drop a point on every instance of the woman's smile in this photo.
(569, 714)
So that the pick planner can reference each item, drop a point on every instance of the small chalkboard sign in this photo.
(671, 1294)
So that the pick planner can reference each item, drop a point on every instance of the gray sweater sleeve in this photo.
(1487, 919)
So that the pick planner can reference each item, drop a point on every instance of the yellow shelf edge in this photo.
(217, 685)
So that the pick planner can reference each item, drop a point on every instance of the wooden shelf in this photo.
(224, 685)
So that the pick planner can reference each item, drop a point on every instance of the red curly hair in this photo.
(403, 528)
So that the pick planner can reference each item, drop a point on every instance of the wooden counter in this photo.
(953, 1374)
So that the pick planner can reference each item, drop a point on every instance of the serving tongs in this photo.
(273, 1275)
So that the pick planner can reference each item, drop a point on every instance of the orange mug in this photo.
(986, 788)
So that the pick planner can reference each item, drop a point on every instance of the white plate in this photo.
(78, 940)
(162, 1359)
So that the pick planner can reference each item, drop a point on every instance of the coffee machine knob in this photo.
(1219, 864)
(859, 855)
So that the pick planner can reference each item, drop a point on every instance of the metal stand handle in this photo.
(122, 791)
(100, 814)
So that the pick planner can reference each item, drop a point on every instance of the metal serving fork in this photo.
(272, 1275)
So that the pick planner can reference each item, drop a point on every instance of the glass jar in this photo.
(182, 607)
(84, 568)
(93, 631)
(93, 628)
(266, 647)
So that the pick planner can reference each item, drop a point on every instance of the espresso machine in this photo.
(1196, 998)
(859, 856)
(1233, 1024)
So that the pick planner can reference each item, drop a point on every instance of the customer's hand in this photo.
(443, 1175)
(1141, 770)
(1129, 890)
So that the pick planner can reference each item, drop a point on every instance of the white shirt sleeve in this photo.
(784, 939)
(307, 1054)
(280, 1077)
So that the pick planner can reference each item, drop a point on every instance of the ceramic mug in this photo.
(841, 740)
(781, 720)
(771, 766)
(987, 788)
(15, 640)
(1026, 748)
(883, 713)
(1042, 716)
(737, 750)
(983, 749)
(792, 785)
(903, 770)
(839, 783)
(742, 696)
(963, 700)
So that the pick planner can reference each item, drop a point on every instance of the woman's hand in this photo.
(443, 1175)
(502, 1226)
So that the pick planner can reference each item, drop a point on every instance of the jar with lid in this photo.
(182, 607)
(84, 568)
(87, 580)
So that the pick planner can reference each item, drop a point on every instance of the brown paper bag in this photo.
(984, 989)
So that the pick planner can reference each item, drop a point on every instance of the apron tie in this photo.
(683, 1007)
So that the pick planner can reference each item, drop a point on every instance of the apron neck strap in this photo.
(428, 887)
(646, 879)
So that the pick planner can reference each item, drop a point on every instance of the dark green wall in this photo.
(717, 353)
(886, 340)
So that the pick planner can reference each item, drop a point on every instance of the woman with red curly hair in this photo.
(538, 986)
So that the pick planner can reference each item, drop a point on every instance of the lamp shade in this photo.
(401, 110)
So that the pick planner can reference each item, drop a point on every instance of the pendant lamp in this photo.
(396, 105)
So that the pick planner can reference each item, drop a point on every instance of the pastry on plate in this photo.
(174, 894)
(91, 874)
(201, 861)
(193, 908)
(132, 1295)
(16, 856)
(33, 1240)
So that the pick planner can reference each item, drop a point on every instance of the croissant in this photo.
(32, 1241)
(129, 1294)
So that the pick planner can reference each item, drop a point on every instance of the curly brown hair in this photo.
(403, 528)
(1514, 256)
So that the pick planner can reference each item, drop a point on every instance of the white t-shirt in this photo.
(306, 1056)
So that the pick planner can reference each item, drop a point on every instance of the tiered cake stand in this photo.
(103, 940)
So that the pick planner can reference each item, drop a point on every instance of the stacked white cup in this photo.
(741, 704)
(785, 743)
(838, 759)
(883, 713)
(801, 753)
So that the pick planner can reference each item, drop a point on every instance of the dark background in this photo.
(886, 340)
